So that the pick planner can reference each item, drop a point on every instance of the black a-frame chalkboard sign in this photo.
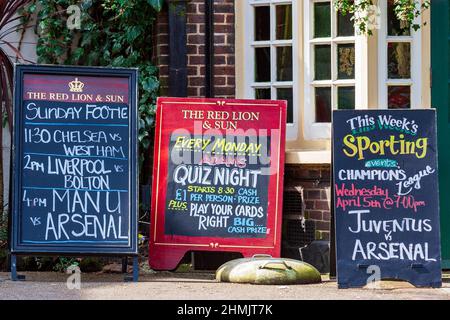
(75, 162)
(386, 197)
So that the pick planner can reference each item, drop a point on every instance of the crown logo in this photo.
(76, 86)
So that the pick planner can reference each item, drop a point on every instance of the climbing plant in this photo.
(10, 23)
(364, 14)
(115, 33)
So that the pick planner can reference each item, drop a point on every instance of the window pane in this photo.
(323, 104)
(262, 64)
(399, 60)
(286, 94)
(322, 65)
(322, 19)
(284, 64)
(346, 61)
(263, 94)
(395, 26)
(345, 25)
(262, 23)
(399, 97)
(284, 22)
(346, 98)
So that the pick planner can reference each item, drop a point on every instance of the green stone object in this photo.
(268, 271)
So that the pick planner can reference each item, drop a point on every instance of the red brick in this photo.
(219, 18)
(163, 18)
(195, 18)
(309, 204)
(162, 28)
(314, 215)
(219, 39)
(163, 60)
(195, 39)
(196, 60)
(324, 235)
(313, 194)
(196, 81)
(224, 28)
(323, 225)
(322, 205)
(220, 60)
(223, 62)
(231, 81)
(224, 8)
(224, 91)
(229, 19)
(192, 92)
(192, 7)
(230, 39)
(192, 71)
(164, 80)
(219, 81)
(225, 70)
(163, 70)
(192, 49)
(162, 39)
(163, 50)
(192, 28)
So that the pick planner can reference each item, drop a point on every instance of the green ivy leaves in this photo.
(409, 10)
(405, 10)
(156, 4)
(114, 33)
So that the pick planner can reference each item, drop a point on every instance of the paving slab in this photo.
(198, 286)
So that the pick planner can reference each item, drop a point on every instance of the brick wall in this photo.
(224, 60)
(161, 50)
(315, 181)
(224, 64)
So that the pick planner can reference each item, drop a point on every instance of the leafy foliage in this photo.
(409, 10)
(115, 33)
(9, 23)
(3, 229)
(405, 10)
(63, 263)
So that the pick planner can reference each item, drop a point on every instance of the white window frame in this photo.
(317, 130)
(249, 57)
(415, 38)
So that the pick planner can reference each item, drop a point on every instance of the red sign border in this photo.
(164, 254)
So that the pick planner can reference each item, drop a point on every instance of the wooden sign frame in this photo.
(55, 74)
(166, 250)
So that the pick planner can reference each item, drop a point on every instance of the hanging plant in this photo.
(409, 10)
(365, 13)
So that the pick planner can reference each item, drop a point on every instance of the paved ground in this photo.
(172, 286)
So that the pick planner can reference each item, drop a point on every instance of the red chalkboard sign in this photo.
(217, 178)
